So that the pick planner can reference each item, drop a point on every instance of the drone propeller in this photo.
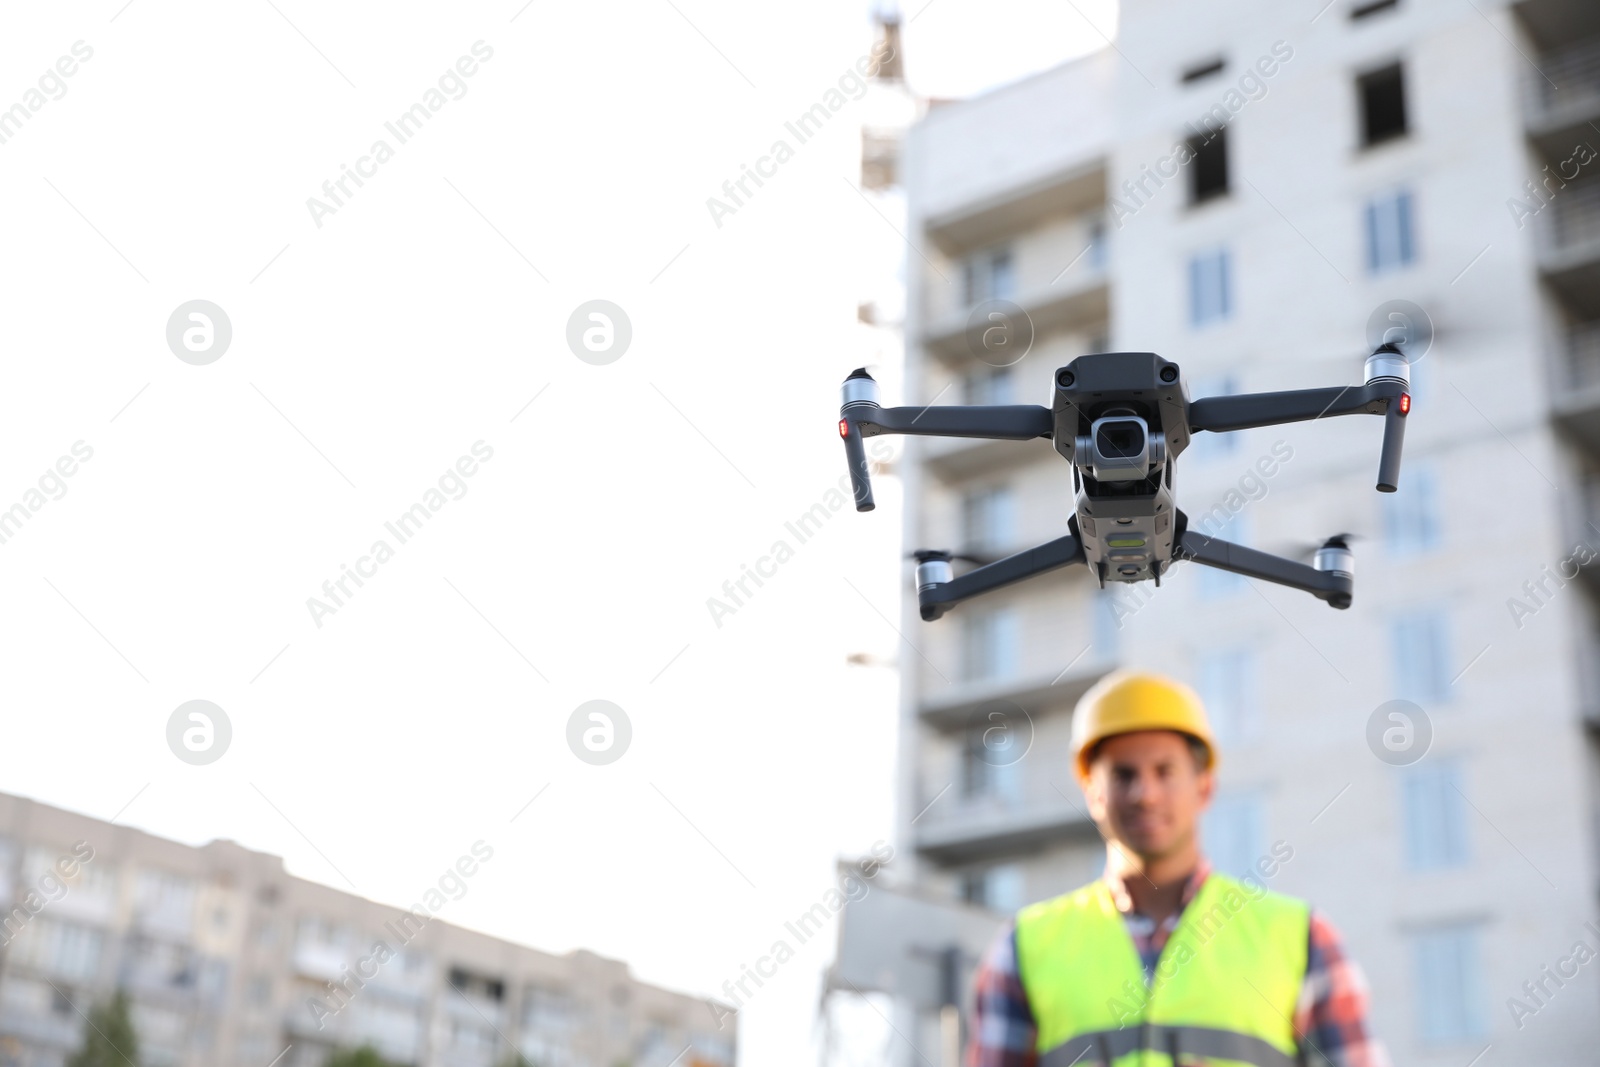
(923, 555)
(1297, 549)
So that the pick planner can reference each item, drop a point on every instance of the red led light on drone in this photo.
(844, 428)
(1405, 403)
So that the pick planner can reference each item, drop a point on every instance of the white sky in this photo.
(374, 351)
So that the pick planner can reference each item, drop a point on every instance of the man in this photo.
(1161, 958)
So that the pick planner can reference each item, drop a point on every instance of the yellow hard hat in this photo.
(1124, 702)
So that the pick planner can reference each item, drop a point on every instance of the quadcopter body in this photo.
(1122, 419)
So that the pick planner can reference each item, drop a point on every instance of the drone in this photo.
(1122, 419)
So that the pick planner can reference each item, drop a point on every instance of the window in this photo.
(989, 520)
(1208, 287)
(8, 859)
(1383, 105)
(472, 1037)
(394, 1026)
(1372, 7)
(1208, 170)
(64, 950)
(1411, 517)
(991, 757)
(1234, 832)
(1449, 991)
(25, 998)
(314, 930)
(1391, 241)
(1216, 584)
(478, 987)
(989, 645)
(1095, 228)
(1202, 70)
(164, 899)
(660, 1044)
(1227, 684)
(551, 1019)
(988, 275)
(1435, 821)
(259, 990)
(998, 888)
(1421, 645)
(162, 1031)
(987, 385)
(255, 1047)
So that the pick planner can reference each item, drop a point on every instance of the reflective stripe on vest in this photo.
(1225, 987)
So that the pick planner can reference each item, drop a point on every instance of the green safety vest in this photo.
(1224, 989)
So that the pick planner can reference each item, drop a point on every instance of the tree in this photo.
(109, 1039)
(365, 1056)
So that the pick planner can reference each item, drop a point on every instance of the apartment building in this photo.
(229, 960)
(1242, 186)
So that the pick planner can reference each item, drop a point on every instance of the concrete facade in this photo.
(1455, 878)
(229, 960)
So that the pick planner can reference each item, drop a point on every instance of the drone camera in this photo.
(1121, 448)
(1123, 438)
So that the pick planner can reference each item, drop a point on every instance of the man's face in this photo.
(1146, 793)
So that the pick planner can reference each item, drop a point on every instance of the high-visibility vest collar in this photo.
(1225, 986)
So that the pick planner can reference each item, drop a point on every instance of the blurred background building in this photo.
(222, 953)
(1438, 152)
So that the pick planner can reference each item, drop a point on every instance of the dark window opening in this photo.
(1361, 11)
(1208, 171)
(1383, 105)
(1202, 70)
(477, 985)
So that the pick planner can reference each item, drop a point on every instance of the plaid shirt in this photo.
(1331, 1017)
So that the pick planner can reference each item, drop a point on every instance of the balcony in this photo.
(169, 973)
(64, 1031)
(1559, 104)
(474, 1000)
(965, 703)
(952, 832)
(320, 959)
(1076, 299)
(1588, 534)
(880, 158)
(1576, 405)
(1568, 244)
(33, 1011)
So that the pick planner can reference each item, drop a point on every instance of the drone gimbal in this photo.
(1122, 419)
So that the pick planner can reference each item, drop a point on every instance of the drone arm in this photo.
(860, 416)
(1000, 422)
(1387, 393)
(1333, 586)
(1249, 410)
(938, 591)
